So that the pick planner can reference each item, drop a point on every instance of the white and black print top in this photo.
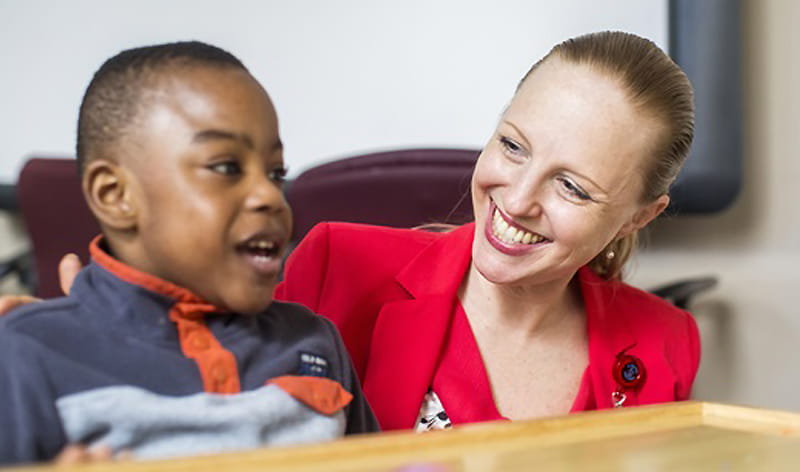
(431, 414)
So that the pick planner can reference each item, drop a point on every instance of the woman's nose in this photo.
(524, 196)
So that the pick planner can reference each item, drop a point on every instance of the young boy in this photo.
(169, 342)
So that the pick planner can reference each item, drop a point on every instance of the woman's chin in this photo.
(499, 271)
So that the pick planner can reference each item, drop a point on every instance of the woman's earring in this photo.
(610, 254)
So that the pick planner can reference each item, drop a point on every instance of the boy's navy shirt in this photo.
(106, 365)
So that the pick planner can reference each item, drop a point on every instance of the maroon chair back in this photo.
(403, 188)
(56, 216)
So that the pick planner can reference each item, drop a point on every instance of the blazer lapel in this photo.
(409, 334)
(405, 347)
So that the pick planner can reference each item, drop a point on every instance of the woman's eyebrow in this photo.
(579, 175)
(519, 132)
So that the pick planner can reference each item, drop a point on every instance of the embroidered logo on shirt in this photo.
(313, 364)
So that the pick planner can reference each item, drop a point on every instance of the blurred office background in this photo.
(355, 76)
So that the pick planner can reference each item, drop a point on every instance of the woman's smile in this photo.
(509, 237)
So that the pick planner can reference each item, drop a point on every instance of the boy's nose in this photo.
(265, 195)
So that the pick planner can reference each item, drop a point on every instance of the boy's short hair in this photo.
(115, 94)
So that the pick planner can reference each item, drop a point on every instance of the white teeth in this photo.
(509, 234)
(261, 244)
(502, 226)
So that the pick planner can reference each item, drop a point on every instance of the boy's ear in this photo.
(108, 193)
(644, 215)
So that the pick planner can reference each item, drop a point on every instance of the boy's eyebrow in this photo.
(213, 134)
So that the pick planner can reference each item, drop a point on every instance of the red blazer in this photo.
(392, 293)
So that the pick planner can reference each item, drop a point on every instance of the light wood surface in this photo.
(678, 436)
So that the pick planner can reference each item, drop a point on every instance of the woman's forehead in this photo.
(564, 84)
(582, 118)
(575, 98)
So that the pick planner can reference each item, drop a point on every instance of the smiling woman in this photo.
(522, 313)
(565, 165)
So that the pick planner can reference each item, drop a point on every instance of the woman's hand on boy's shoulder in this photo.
(9, 302)
(68, 269)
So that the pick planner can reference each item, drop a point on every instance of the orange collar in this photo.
(139, 278)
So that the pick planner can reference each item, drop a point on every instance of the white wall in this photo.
(346, 75)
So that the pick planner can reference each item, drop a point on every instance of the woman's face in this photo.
(561, 177)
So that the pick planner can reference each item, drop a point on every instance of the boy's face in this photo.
(205, 165)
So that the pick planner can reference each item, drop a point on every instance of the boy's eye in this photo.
(278, 174)
(573, 189)
(226, 168)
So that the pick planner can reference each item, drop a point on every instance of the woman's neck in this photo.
(529, 310)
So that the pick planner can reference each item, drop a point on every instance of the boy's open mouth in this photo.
(263, 253)
(260, 248)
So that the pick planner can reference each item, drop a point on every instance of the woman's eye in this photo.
(278, 174)
(510, 145)
(226, 168)
(573, 189)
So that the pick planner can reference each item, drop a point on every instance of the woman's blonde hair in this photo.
(656, 86)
